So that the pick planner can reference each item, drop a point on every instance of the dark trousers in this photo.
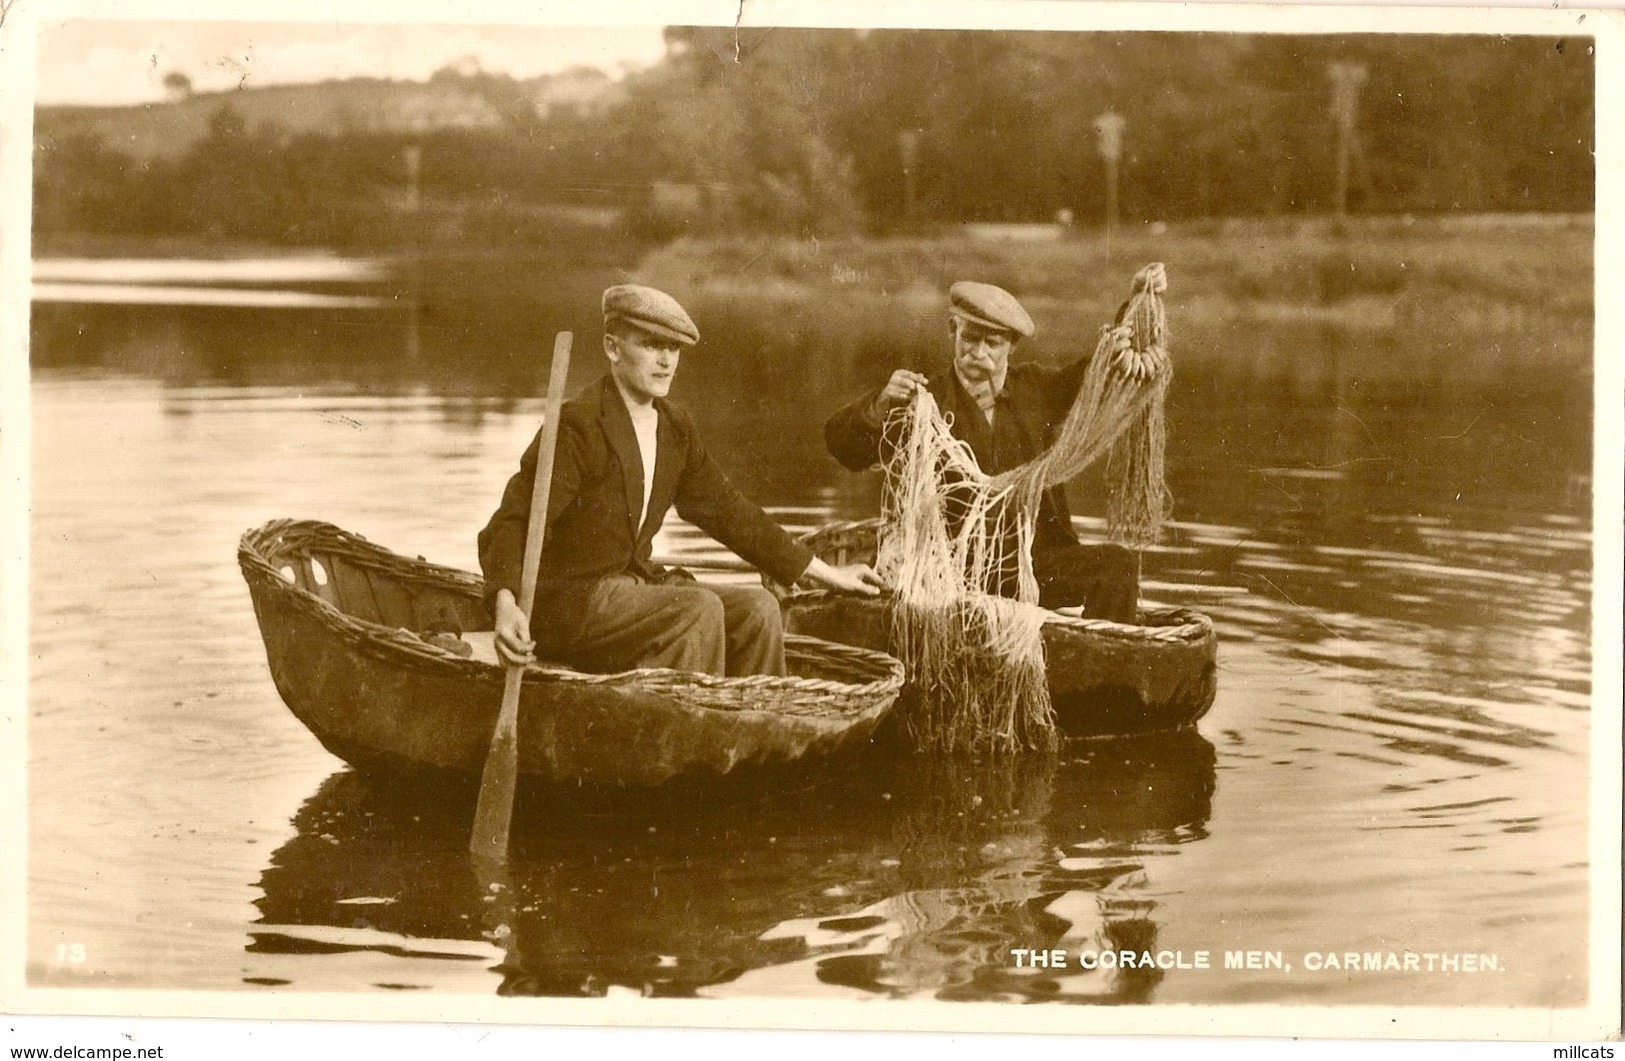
(727, 631)
(1104, 578)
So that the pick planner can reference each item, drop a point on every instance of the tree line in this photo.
(816, 132)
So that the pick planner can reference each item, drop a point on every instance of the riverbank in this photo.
(1382, 273)
(1520, 285)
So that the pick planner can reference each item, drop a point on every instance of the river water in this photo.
(1391, 533)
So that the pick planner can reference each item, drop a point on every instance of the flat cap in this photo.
(654, 311)
(989, 306)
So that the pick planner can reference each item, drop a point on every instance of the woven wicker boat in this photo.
(343, 621)
(1105, 678)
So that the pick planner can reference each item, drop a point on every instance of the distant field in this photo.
(1377, 272)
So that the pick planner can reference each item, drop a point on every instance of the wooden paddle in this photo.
(501, 777)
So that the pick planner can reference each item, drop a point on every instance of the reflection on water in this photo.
(1031, 854)
(287, 269)
(200, 282)
(1393, 541)
(177, 295)
(896, 878)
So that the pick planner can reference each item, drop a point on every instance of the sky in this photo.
(102, 57)
(93, 61)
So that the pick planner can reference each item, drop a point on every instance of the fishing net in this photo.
(956, 543)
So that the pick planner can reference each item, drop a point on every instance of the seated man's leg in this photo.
(1104, 578)
(755, 628)
(630, 624)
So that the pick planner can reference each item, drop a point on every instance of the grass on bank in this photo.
(1380, 272)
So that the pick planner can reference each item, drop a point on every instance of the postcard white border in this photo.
(1599, 1018)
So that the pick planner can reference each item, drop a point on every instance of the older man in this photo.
(625, 456)
(1008, 414)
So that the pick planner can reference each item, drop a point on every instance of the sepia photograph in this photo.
(1025, 517)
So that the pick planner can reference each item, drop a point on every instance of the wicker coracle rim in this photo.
(1167, 625)
(879, 675)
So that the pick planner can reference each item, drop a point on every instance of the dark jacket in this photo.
(1028, 412)
(593, 506)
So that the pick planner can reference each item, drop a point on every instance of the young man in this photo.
(1008, 414)
(625, 455)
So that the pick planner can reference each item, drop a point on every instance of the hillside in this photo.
(332, 109)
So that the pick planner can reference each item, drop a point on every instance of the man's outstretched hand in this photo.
(859, 579)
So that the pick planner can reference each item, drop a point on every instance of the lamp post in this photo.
(908, 146)
(1109, 130)
(1347, 79)
(418, 119)
(414, 295)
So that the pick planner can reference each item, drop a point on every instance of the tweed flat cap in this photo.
(654, 311)
(989, 306)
